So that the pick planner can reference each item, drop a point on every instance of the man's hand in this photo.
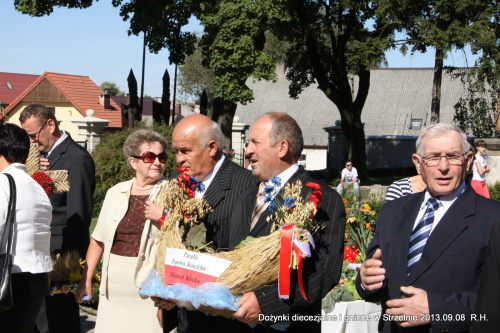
(249, 310)
(414, 307)
(372, 274)
(163, 303)
(44, 164)
(153, 211)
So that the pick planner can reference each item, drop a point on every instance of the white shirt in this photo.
(208, 179)
(446, 202)
(475, 173)
(31, 241)
(349, 175)
(58, 142)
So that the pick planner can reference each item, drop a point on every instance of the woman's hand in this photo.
(84, 288)
(153, 211)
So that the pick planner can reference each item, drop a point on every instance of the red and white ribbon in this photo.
(291, 247)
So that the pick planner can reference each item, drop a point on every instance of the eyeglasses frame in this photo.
(157, 156)
(37, 134)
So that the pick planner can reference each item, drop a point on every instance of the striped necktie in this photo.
(420, 234)
(260, 203)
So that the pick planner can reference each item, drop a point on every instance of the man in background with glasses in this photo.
(428, 250)
(72, 211)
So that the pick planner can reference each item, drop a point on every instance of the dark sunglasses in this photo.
(35, 136)
(150, 157)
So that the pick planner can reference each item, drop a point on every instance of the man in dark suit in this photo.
(197, 142)
(428, 249)
(72, 211)
(487, 315)
(275, 146)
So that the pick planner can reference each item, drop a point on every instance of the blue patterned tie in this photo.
(421, 232)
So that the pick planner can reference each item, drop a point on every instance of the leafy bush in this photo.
(495, 191)
(111, 167)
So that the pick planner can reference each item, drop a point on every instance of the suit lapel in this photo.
(55, 155)
(453, 223)
(240, 231)
(262, 222)
(220, 184)
(402, 232)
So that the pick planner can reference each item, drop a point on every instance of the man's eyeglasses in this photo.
(453, 159)
(150, 157)
(35, 135)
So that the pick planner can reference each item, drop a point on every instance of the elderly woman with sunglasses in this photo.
(125, 239)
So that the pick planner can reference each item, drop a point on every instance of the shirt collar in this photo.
(14, 166)
(58, 142)
(286, 175)
(446, 200)
(208, 179)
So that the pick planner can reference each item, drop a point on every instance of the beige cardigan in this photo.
(114, 208)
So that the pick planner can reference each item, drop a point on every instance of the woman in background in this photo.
(125, 237)
(31, 236)
(405, 186)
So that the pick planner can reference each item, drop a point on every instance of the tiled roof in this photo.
(395, 96)
(20, 82)
(81, 91)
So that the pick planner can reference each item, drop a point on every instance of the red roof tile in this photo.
(81, 91)
(18, 81)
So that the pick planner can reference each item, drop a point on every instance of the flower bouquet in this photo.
(293, 224)
(67, 272)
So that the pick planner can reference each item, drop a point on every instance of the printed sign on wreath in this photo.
(192, 268)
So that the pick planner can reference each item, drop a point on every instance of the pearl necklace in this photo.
(143, 188)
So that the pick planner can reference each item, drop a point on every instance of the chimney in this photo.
(104, 101)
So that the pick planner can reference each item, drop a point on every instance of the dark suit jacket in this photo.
(72, 211)
(488, 298)
(228, 184)
(321, 272)
(450, 265)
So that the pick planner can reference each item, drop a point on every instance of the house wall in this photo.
(64, 112)
(315, 158)
(389, 152)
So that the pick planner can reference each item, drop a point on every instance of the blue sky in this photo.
(94, 42)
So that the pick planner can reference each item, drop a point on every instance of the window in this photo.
(416, 123)
(9, 85)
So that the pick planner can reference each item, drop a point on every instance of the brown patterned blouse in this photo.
(129, 231)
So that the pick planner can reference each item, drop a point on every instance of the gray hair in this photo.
(208, 133)
(132, 146)
(438, 130)
(284, 127)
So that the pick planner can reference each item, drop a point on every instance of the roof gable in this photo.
(78, 90)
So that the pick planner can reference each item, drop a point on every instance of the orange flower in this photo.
(345, 201)
(367, 206)
(368, 226)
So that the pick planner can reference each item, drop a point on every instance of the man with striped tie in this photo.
(428, 251)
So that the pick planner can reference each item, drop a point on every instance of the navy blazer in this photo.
(72, 211)
(451, 263)
(321, 272)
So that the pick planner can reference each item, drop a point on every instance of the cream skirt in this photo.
(125, 311)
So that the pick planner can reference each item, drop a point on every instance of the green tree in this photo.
(477, 108)
(329, 42)
(194, 77)
(442, 24)
(111, 88)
